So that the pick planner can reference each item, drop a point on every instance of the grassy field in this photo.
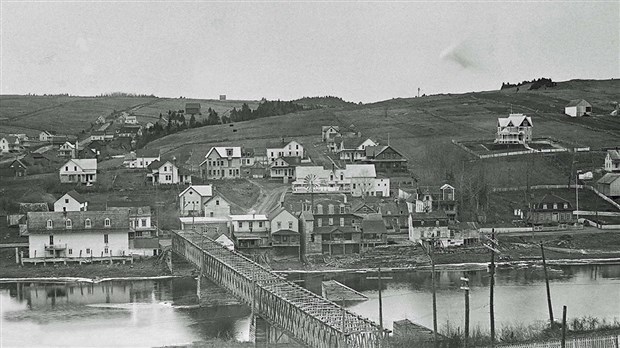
(71, 115)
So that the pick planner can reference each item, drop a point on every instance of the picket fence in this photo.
(582, 342)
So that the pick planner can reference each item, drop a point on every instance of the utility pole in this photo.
(563, 326)
(432, 255)
(491, 290)
(465, 287)
(542, 250)
(379, 277)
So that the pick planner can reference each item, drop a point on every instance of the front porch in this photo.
(80, 260)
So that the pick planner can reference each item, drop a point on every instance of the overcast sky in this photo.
(361, 51)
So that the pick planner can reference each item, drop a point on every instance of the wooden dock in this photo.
(336, 291)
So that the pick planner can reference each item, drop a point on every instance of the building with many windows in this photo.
(222, 163)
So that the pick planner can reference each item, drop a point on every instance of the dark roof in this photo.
(373, 223)
(575, 102)
(608, 178)
(78, 197)
(119, 221)
(146, 243)
(133, 210)
(285, 233)
(332, 229)
(155, 165)
(147, 153)
(192, 105)
(184, 171)
(433, 215)
(129, 129)
(551, 198)
(614, 154)
(374, 151)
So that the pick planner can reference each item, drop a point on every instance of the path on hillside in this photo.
(269, 198)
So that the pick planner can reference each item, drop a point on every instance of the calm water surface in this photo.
(155, 313)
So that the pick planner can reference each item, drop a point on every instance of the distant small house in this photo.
(284, 168)
(374, 231)
(149, 125)
(514, 129)
(71, 201)
(79, 171)
(551, 209)
(4, 145)
(45, 136)
(386, 159)
(87, 152)
(193, 199)
(578, 108)
(10, 143)
(216, 206)
(129, 131)
(17, 168)
(141, 158)
(225, 241)
(328, 133)
(284, 232)
(609, 184)
(284, 149)
(192, 108)
(222, 97)
(251, 231)
(100, 135)
(67, 150)
(433, 224)
(167, 173)
(131, 119)
(612, 161)
(100, 120)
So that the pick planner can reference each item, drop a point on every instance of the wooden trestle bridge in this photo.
(303, 316)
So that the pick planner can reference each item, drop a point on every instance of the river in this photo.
(163, 312)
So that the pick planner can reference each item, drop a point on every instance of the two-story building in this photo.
(251, 231)
(329, 133)
(141, 158)
(82, 171)
(429, 225)
(285, 236)
(353, 149)
(67, 150)
(551, 209)
(71, 201)
(386, 159)
(75, 234)
(193, 199)
(335, 229)
(612, 160)
(222, 163)
(428, 199)
(609, 185)
(167, 173)
(356, 179)
(284, 168)
(283, 148)
(514, 129)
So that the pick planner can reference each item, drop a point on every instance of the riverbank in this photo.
(144, 268)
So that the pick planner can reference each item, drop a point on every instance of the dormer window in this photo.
(68, 223)
(555, 206)
(217, 202)
(106, 222)
(50, 224)
(545, 206)
(87, 223)
(565, 205)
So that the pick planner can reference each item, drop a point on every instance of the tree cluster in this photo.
(266, 108)
(535, 83)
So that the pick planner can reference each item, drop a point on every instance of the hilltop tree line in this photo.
(266, 108)
(535, 84)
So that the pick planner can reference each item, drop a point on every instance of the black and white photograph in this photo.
(310, 173)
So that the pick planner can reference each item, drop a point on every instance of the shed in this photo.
(578, 108)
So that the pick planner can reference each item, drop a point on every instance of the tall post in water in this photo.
(466, 288)
(380, 303)
(432, 255)
(542, 250)
(564, 327)
(491, 286)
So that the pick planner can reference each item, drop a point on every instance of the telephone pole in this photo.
(432, 255)
(465, 287)
(542, 250)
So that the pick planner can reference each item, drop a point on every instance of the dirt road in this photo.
(269, 198)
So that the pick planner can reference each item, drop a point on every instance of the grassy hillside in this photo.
(65, 114)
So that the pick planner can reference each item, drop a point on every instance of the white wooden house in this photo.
(222, 163)
(71, 201)
(167, 173)
(578, 108)
(353, 149)
(193, 199)
(141, 158)
(514, 129)
(612, 161)
(328, 133)
(79, 171)
(67, 150)
(284, 149)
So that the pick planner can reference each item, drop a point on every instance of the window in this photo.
(143, 222)
(75, 168)
(250, 224)
(290, 225)
(105, 250)
(87, 223)
(66, 200)
(545, 206)
(319, 222)
(70, 251)
(330, 209)
(555, 206)
(51, 240)
(68, 223)
(106, 222)
(211, 214)
(165, 169)
(296, 147)
(50, 224)
(138, 233)
(88, 250)
(260, 224)
(279, 224)
(341, 221)
(217, 202)
(105, 238)
(331, 221)
(565, 205)
(319, 209)
(66, 168)
(240, 224)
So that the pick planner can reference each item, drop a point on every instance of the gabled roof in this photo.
(289, 160)
(154, 165)
(446, 186)
(68, 144)
(614, 154)
(333, 229)
(285, 232)
(78, 197)
(514, 120)
(434, 215)
(84, 163)
(373, 223)
(576, 102)
(374, 151)
(277, 211)
(19, 162)
(221, 151)
(551, 198)
(202, 190)
(608, 178)
(280, 144)
(134, 210)
(216, 196)
(326, 128)
(354, 143)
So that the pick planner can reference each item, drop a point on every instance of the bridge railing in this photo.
(305, 316)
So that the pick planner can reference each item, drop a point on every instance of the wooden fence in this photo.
(582, 342)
